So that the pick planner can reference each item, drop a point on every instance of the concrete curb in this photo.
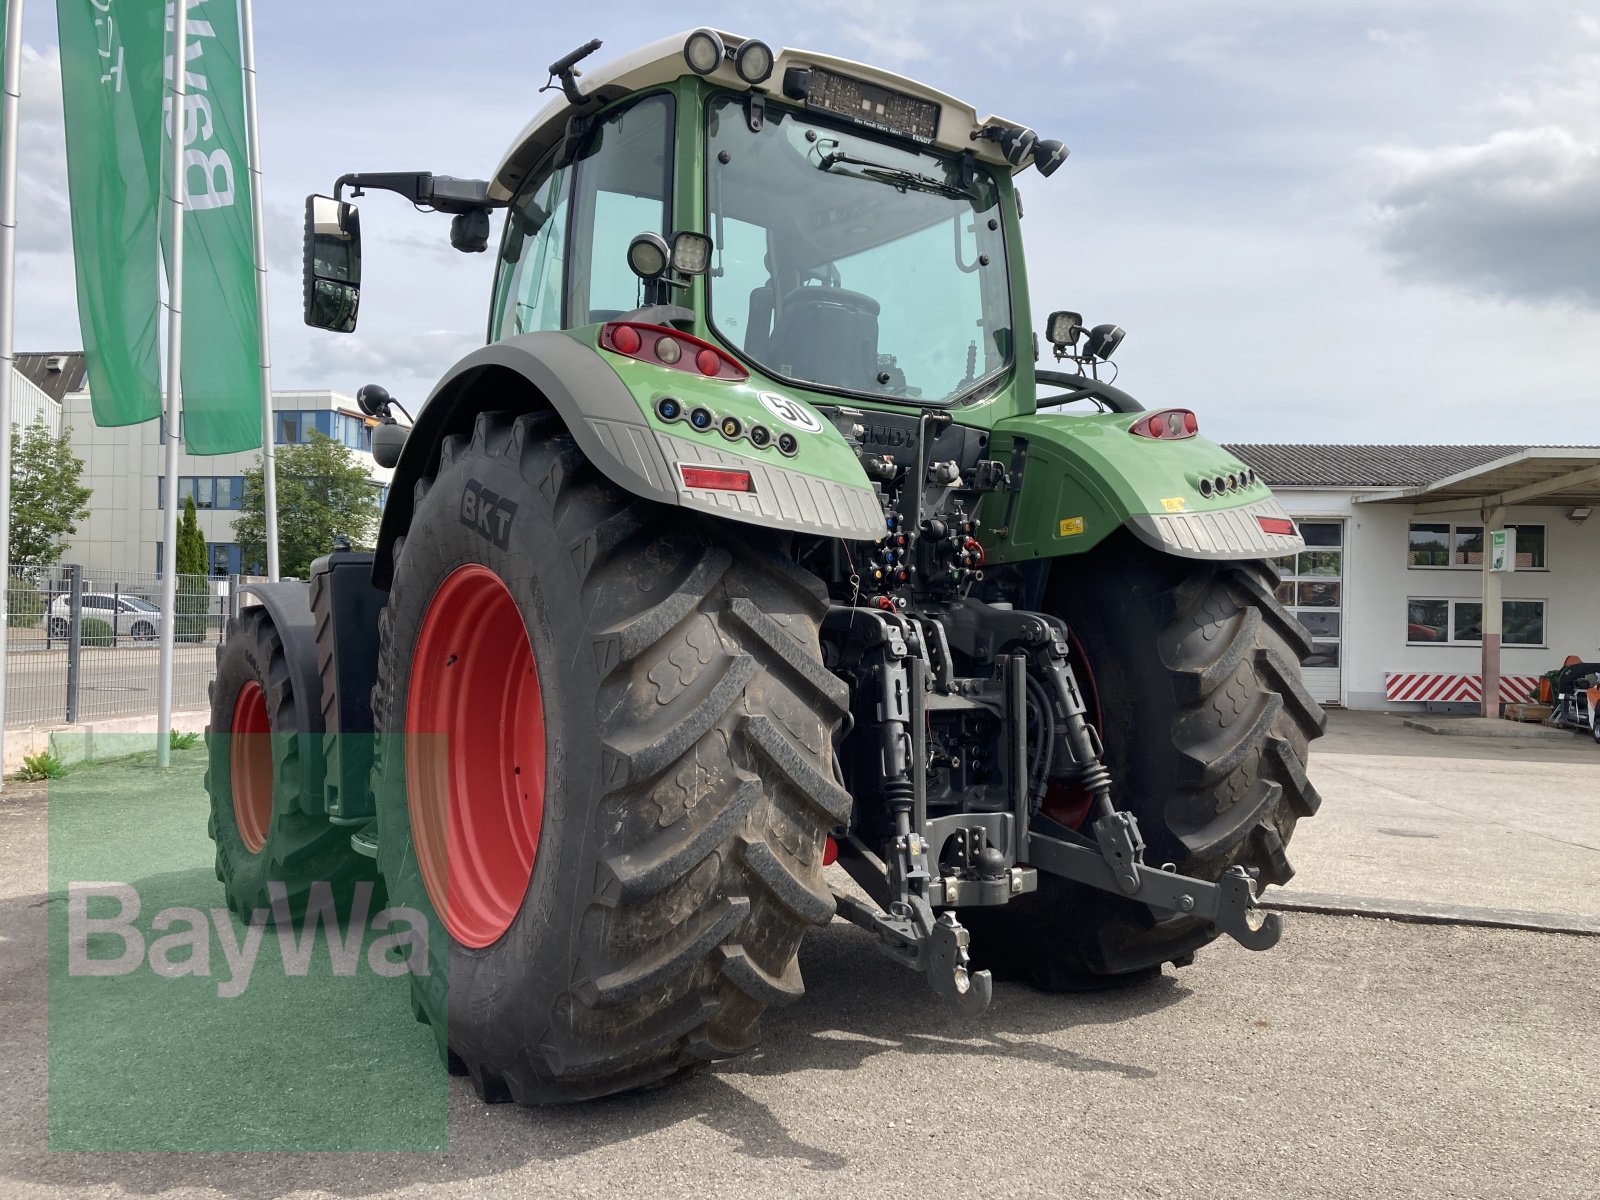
(94, 741)
(1427, 912)
(1490, 727)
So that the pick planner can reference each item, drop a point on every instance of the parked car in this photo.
(132, 616)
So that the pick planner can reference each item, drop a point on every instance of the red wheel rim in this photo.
(250, 766)
(1069, 803)
(475, 755)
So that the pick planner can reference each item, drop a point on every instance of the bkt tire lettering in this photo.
(488, 513)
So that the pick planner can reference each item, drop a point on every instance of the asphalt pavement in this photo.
(1360, 1057)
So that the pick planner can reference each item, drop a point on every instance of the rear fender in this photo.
(1084, 477)
(612, 421)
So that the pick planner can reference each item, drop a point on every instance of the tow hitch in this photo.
(1229, 904)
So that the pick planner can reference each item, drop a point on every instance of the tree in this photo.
(323, 492)
(191, 543)
(47, 499)
(194, 593)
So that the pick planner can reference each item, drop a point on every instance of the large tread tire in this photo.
(301, 849)
(689, 781)
(1195, 670)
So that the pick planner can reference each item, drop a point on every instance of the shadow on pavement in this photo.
(859, 1006)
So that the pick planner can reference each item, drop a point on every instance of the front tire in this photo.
(1194, 669)
(681, 765)
(254, 743)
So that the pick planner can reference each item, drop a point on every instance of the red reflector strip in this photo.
(1279, 525)
(713, 479)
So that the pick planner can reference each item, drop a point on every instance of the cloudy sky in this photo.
(1325, 220)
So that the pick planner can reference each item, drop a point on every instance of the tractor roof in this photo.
(663, 61)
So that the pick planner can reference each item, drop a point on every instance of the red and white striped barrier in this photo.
(1419, 685)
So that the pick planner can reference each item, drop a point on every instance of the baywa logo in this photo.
(184, 946)
(487, 512)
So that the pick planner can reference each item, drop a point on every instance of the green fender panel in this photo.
(607, 403)
(1084, 477)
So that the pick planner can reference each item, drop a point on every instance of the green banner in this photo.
(113, 165)
(221, 347)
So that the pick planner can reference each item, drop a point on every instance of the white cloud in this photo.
(1514, 213)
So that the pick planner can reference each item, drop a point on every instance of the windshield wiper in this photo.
(897, 177)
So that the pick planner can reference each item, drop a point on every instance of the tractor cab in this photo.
(832, 226)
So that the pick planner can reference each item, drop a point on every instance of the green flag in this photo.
(221, 350)
(113, 149)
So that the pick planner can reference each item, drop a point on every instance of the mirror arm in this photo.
(442, 192)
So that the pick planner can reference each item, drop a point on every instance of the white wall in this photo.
(1377, 584)
(29, 402)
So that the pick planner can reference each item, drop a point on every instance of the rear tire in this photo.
(687, 785)
(253, 778)
(1195, 670)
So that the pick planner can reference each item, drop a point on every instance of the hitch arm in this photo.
(1227, 904)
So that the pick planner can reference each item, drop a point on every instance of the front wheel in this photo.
(143, 631)
(1192, 674)
(604, 770)
(266, 840)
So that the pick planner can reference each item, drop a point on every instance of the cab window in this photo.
(533, 255)
(623, 180)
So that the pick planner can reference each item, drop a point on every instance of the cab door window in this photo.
(533, 255)
(624, 180)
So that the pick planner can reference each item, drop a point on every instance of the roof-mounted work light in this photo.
(703, 51)
(1048, 154)
(753, 62)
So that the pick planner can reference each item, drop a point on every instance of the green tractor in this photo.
(756, 537)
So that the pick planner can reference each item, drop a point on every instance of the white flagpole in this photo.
(177, 190)
(8, 256)
(269, 458)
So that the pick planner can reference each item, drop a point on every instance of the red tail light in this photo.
(712, 479)
(663, 347)
(1170, 424)
(1279, 525)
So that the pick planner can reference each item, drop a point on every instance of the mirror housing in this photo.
(1063, 328)
(1103, 341)
(388, 440)
(332, 264)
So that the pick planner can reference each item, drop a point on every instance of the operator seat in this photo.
(828, 335)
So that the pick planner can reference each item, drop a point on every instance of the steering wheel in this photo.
(804, 297)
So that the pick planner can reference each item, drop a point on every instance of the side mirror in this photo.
(387, 442)
(1103, 341)
(1063, 328)
(332, 264)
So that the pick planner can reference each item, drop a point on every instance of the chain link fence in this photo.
(85, 645)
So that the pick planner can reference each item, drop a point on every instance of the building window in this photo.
(207, 491)
(1311, 586)
(1438, 544)
(1438, 622)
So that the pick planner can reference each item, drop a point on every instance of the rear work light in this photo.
(716, 479)
(1279, 525)
(1168, 425)
(663, 347)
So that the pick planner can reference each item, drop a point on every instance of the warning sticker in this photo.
(1173, 504)
(1071, 527)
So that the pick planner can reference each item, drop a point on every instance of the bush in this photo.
(41, 766)
(25, 603)
(194, 599)
(96, 632)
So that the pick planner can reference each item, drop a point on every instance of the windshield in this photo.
(134, 602)
(848, 261)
